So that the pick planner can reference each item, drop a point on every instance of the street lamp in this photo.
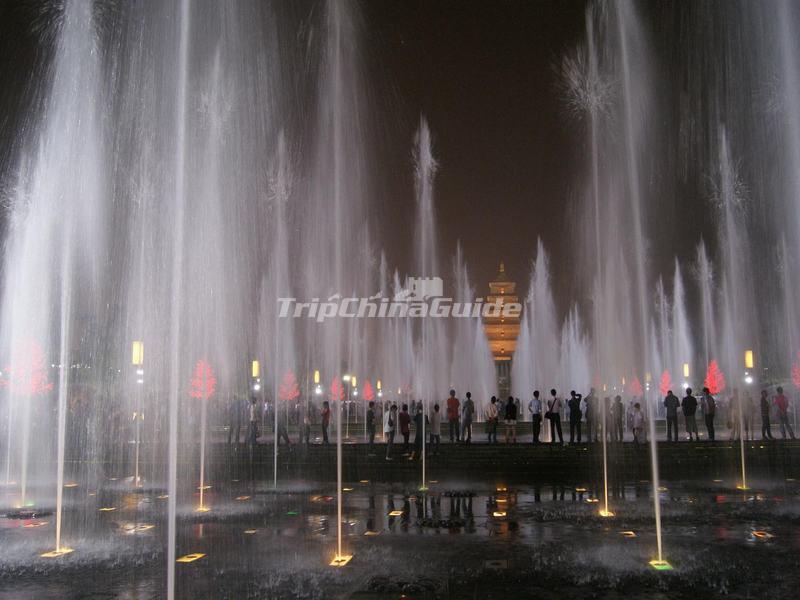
(749, 363)
(340, 559)
(317, 386)
(137, 360)
(137, 356)
(255, 372)
(353, 392)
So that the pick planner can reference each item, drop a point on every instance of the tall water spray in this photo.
(432, 366)
(54, 259)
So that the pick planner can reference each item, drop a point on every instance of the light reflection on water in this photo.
(295, 530)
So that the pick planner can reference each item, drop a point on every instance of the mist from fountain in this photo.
(158, 199)
(472, 369)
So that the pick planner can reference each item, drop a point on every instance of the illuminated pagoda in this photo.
(502, 332)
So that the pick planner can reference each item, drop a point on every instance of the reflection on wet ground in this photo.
(455, 540)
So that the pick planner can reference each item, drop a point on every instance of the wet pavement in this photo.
(457, 540)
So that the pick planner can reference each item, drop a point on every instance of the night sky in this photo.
(485, 74)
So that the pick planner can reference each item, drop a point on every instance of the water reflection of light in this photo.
(134, 528)
(763, 535)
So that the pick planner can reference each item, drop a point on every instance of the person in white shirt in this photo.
(535, 408)
(389, 428)
(435, 428)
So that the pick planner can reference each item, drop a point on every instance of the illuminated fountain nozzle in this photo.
(340, 561)
(57, 552)
(606, 513)
(661, 565)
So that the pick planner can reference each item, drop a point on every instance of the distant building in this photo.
(502, 332)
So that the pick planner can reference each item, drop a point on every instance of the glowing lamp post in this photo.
(137, 359)
(685, 375)
(749, 363)
(354, 394)
(255, 373)
(340, 559)
(351, 382)
(317, 386)
(137, 354)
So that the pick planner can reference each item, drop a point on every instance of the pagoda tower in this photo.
(502, 332)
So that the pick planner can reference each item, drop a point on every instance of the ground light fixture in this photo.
(58, 552)
(660, 565)
(188, 558)
(340, 561)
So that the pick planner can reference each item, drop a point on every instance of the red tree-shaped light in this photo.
(796, 372)
(665, 384)
(203, 383)
(288, 389)
(368, 393)
(636, 387)
(337, 391)
(596, 381)
(27, 376)
(715, 379)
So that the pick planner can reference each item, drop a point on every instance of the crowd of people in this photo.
(589, 418)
